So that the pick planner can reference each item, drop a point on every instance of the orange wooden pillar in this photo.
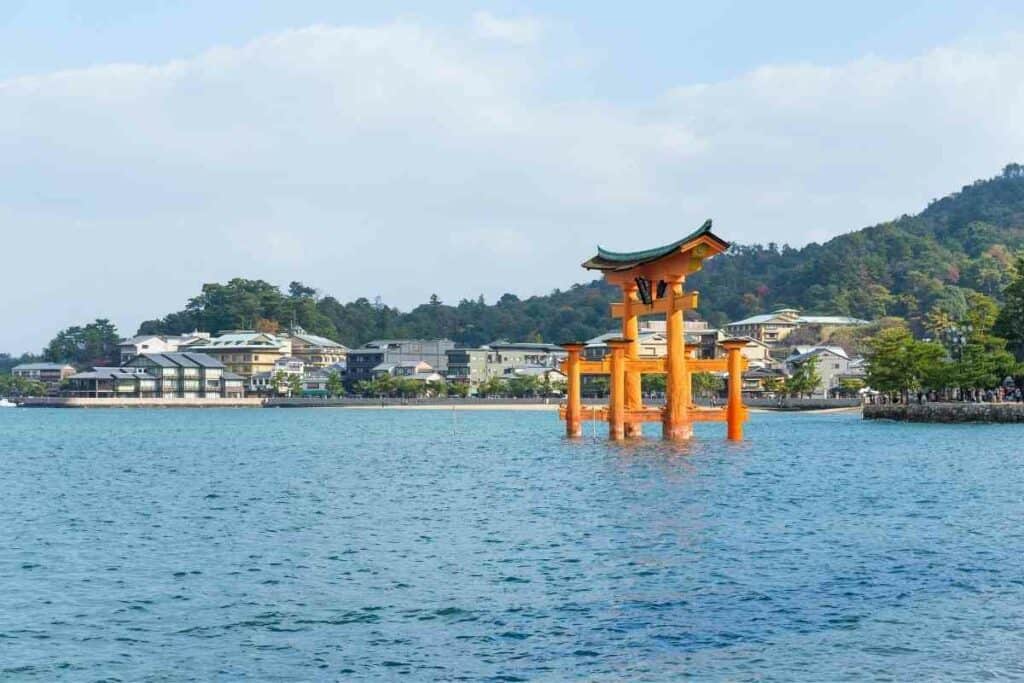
(631, 331)
(574, 389)
(675, 422)
(734, 407)
(617, 393)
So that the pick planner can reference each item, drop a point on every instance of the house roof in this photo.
(535, 370)
(501, 344)
(182, 359)
(411, 364)
(41, 366)
(377, 343)
(425, 377)
(111, 373)
(643, 337)
(757, 372)
(780, 317)
(200, 359)
(817, 351)
(619, 260)
(244, 339)
(800, 350)
(317, 340)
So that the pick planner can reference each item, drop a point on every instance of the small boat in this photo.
(4, 403)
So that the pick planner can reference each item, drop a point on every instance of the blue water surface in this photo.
(335, 544)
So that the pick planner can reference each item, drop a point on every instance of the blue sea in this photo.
(340, 544)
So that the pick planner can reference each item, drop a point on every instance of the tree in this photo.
(335, 387)
(850, 386)
(278, 381)
(11, 385)
(458, 389)
(596, 387)
(1009, 323)
(522, 386)
(805, 378)
(653, 384)
(408, 388)
(707, 384)
(899, 363)
(95, 344)
(295, 385)
(384, 385)
(492, 386)
(773, 385)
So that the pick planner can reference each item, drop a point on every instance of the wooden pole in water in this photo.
(617, 398)
(574, 401)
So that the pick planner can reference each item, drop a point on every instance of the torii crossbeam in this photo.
(652, 283)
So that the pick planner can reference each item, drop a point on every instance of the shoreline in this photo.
(523, 405)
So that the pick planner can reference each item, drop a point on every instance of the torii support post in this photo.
(574, 403)
(617, 390)
(631, 331)
(734, 407)
(676, 425)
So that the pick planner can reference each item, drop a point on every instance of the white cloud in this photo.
(518, 31)
(398, 160)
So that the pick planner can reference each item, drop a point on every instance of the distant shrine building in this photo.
(653, 284)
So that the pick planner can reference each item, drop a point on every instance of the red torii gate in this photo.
(652, 283)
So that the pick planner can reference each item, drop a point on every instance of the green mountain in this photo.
(906, 268)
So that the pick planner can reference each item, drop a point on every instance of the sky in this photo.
(401, 149)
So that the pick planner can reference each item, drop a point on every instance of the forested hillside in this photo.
(904, 268)
(909, 267)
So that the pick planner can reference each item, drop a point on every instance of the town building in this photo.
(280, 375)
(541, 372)
(50, 374)
(245, 352)
(118, 382)
(468, 366)
(160, 375)
(188, 374)
(158, 343)
(315, 351)
(758, 353)
(833, 365)
(361, 362)
(314, 382)
(500, 359)
(773, 328)
(702, 338)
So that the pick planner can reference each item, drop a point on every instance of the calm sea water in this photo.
(334, 544)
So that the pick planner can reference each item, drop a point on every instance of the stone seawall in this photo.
(801, 403)
(947, 412)
(79, 402)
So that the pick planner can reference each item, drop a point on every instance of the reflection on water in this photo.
(327, 544)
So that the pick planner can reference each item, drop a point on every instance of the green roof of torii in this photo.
(616, 260)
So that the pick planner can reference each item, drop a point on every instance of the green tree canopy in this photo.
(94, 344)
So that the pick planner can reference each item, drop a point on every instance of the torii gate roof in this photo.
(614, 261)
